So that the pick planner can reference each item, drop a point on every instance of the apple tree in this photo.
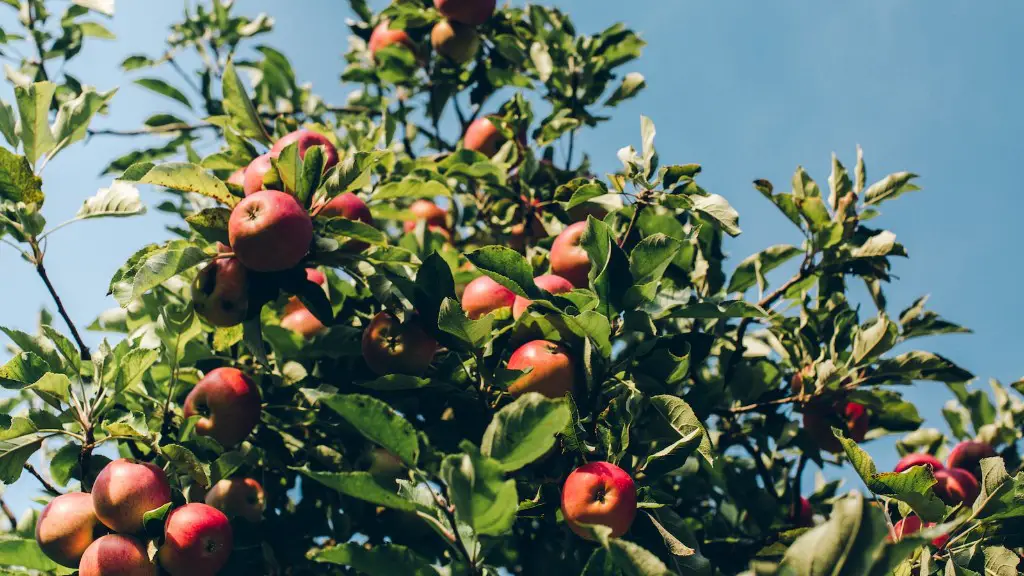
(414, 333)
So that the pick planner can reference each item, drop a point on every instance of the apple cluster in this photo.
(103, 533)
(454, 37)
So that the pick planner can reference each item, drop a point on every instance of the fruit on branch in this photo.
(803, 515)
(306, 139)
(348, 205)
(197, 541)
(220, 293)
(483, 136)
(393, 347)
(383, 36)
(910, 525)
(435, 216)
(956, 485)
(918, 459)
(66, 527)
(238, 498)
(819, 420)
(229, 403)
(255, 172)
(304, 323)
(116, 555)
(456, 41)
(550, 282)
(312, 275)
(968, 455)
(802, 382)
(237, 177)
(553, 371)
(125, 490)
(269, 231)
(568, 258)
(384, 465)
(472, 12)
(483, 296)
(599, 493)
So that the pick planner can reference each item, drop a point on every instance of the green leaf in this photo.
(918, 365)
(631, 84)
(913, 486)
(506, 267)
(874, 340)
(1000, 494)
(309, 176)
(356, 230)
(635, 560)
(839, 183)
(892, 186)
(524, 430)
(96, 30)
(26, 554)
(211, 223)
(1000, 561)
(74, 116)
(185, 461)
(118, 201)
(482, 497)
(152, 266)
(651, 257)
(682, 423)
(240, 108)
(105, 7)
(64, 462)
(163, 88)
(752, 269)
(132, 366)
(154, 520)
(18, 441)
(718, 209)
(18, 182)
(453, 320)
(393, 382)
(609, 269)
(360, 485)
(23, 369)
(379, 423)
(382, 560)
(724, 309)
(181, 176)
(410, 189)
(34, 110)
(8, 124)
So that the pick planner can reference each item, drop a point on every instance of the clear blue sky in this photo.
(748, 89)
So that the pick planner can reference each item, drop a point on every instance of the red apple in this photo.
(472, 12)
(304, 323)
(910, 525)
(819, 420)
(553, 374)
(455, 41)
(483, 296)
(220, 293)
(238, 498)
(66, 527)
(269, 231)
(116, 555)
(237, 177)
(307, 139)
(390, 347)
(383, 36)
(348, 205)
(968, 455)
(229, 403)
(197, 541)
(550, 282)
(483, 136)
(255, 172)
(804, 515)
(802, 381)
(570, 260)
(435, 216)
(955, 485)
(918, 459)
(599, 493)
(312, 275)
(125, 490)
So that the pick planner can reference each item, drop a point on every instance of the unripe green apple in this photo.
(220, 293)
(229, 403)
(483, 296)
(116, 555)
(553, 371)
(197, 541)
(125, 490)
(457, 42)
(599, 493)
(269, 231)
(66, 527)
(391, 347)
(569, 259)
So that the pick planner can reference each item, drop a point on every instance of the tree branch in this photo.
(50, 488)
(638, 206)
(9, 513)
(766, 476)
(41, 270)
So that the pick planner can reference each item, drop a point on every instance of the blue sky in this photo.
(747, 89)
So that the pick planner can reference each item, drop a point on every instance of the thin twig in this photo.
(181, 72)
(9, 513)
(766, 476)
(41, 270)
(46, 484)
(638, 206)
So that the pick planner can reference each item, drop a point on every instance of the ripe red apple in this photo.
(455, 41)
(435, 216)
(818, 421)
(269, 231)
(220, 293)
(304, 323)
(390, 347)
(229, 403)
(483, 296)
(307, 139)
(255, 172)
(568, 259)
(803, 380)
(968, 455)
(238, 498)
(918, 459)
(472, 12)
(348, 205)
(383, 36)
(955, 485)
(66, 527)
(237, 177)
(553, 374)
(550, 282)
(483, 136)
(910, 525)
(125, 490)
(803, 516)
(116, 555)
(599, 493)
(197, 541)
